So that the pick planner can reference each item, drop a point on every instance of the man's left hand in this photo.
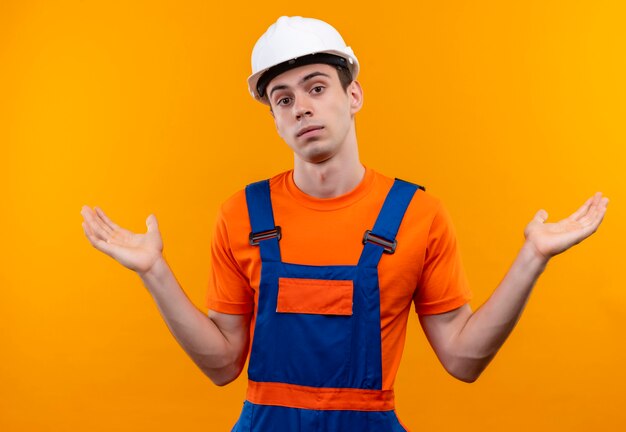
(550, 239)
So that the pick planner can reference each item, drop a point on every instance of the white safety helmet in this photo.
(295, 41)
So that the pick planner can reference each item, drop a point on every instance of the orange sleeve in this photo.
(229, 289)
(443, 285)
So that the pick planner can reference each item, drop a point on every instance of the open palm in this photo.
(137, 252)
(550, 239)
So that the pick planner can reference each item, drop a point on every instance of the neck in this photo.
(334, 177)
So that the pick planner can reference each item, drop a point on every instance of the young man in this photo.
(315, 270)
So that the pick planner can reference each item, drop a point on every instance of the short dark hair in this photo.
(345, 77)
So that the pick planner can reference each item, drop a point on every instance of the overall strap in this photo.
(264, 233)
(382, 238)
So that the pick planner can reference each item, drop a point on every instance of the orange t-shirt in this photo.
(425, 270)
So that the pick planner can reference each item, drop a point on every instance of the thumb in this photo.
(541, 216)
(152, 224)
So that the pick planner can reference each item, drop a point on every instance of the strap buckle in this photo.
(256, 238)
(388, 246)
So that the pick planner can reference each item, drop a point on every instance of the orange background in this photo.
(499, 108)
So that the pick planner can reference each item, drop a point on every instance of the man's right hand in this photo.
(138, 252)
(217, 343)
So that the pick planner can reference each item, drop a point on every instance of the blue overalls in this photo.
(317, 366)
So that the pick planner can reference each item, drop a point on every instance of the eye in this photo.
(317, 89)
(283, 101)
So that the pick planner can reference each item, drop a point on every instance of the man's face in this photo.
(312, 111)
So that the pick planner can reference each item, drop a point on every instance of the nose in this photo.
(302, 108)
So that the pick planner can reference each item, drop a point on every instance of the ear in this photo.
(355, 93)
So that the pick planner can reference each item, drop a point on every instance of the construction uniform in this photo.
(316, 360)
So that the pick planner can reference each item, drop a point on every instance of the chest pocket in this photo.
(315, 296)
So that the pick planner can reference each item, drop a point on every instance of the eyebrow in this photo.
(302, 81)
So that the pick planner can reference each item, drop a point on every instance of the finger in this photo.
(598, 212)
(152, 224)
(106, 219)
(101, 245)
(86, 211)
(88, 217)
(600, 202)
(103, 226)
(94, 227)
(96, 219)
(93, 237)
(541, 216)
(590, 223)
(591, 227)
(596, 200)
(88, 232)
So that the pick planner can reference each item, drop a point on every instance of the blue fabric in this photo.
(306, 349)
(389, 219)
(259, 201)
(313, 349)
(280, 419)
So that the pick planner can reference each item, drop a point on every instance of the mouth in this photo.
(308, 129)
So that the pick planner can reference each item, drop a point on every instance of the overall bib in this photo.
(316, 362)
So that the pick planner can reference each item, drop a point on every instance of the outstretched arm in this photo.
(217, 343)
(466, 341)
